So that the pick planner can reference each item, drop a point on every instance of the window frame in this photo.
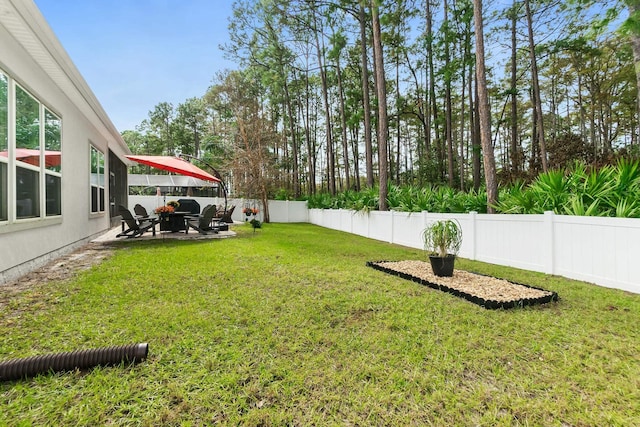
(38, 177)
(53, 172)
(23, 167)
(5, 176)
(99, 185)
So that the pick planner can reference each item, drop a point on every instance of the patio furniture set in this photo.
(209, 220)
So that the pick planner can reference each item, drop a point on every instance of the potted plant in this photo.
(249, 211)
(164, 209)
(442, 240)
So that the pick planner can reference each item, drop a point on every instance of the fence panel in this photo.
(360, 223)
(599, 250)
(513, 240)
(288, 211)
(380, 226)
(407, 228)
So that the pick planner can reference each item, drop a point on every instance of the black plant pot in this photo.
(442, 266)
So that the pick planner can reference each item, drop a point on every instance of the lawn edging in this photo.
(486, 303)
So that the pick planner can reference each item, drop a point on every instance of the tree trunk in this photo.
(447, 98)
(311, 149)
(331, 168)
(537, 99)
(634, 35)
(430, 85)
(382, 107)
(356, 156)
(463, 104)
(535, 146)
(366, 102)
(463, 155)
(398, 138)
(583, 117)
(343, 124)
(514, 95)
(484, 112)
(475, 132)
(294, 141)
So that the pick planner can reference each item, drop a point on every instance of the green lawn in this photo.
(288, 326)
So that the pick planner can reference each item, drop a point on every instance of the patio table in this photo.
(173, 221)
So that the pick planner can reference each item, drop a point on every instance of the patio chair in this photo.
(140, 211)
(136, 227)
(226, 216)
(189, 205)
(196, 216)
(203, 223)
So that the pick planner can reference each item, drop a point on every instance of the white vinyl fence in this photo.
(604, 251)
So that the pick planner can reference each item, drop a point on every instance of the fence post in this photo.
(473, 215)
(391, 227)
(352, 214)
(287, 207)
(548, 242)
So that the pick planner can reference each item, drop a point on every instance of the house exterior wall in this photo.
(31, 55)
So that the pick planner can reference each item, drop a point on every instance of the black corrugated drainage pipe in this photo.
(30, 366)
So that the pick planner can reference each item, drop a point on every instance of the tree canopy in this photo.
(335, 95)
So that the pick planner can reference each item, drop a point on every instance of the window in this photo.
(52, 163)
(4, 146)
(27, 123)
(27, 193)
(30, 155)
(4, 113)
(97, 180)
(27, 155)
(4, 203)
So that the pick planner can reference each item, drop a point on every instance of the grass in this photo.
(288, 326)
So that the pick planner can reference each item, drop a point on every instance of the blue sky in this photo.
(135, 54)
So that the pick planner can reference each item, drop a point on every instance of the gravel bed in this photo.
(486, 291)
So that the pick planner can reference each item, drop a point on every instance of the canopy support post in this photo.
(215, 173)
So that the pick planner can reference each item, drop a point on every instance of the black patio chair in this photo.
(140, 211)
(226, 216)
(202, 224)
(136, 227)
(189, 205)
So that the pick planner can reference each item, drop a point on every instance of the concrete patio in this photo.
(110, 236)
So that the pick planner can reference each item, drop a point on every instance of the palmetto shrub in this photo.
(613, 190)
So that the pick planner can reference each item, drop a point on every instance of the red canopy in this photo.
(27, 155)
(174, 164)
